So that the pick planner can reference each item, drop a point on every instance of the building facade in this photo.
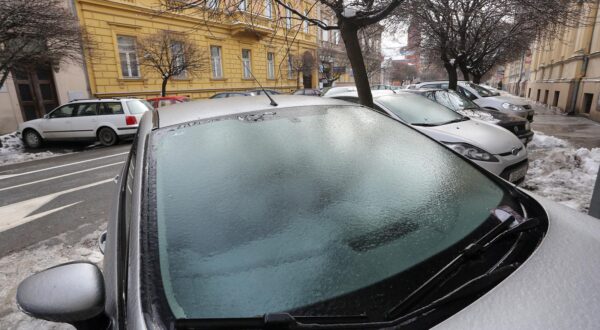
(565, 70)
(249, 35)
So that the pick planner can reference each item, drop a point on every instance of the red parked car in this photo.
(163, 101)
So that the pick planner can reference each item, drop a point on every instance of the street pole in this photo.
(595, 203)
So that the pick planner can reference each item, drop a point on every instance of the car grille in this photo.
(510, 152)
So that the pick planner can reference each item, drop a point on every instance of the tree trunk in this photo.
(297, 79)
(464, 71)
(452, 76)
(476, 79)
(163, 91)
(349, 34)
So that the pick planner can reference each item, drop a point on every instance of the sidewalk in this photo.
(564, 157)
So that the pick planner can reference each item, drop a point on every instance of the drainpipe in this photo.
(584, 67)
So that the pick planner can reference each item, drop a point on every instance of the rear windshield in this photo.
(137, 107)
(418, 110)
(272, 212)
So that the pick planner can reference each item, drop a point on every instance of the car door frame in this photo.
(58, 128)
(84, 127)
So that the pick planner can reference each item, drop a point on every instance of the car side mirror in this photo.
(46, 116)
(102, 242)
(70, 293)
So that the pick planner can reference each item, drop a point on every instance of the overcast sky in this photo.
(392, 42)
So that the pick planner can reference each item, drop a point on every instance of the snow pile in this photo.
(12, 151)
(562, 173)
(17, 266)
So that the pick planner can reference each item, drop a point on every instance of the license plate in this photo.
(517, 174)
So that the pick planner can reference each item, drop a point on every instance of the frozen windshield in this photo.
(452, 100)
(273, 212)
(418, 110)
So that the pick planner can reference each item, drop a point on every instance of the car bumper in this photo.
(525, 138)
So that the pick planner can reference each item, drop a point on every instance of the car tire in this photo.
(107, 136)
(32, 139)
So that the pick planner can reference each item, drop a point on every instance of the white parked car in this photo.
(487, 99)
(105, 120)
(329, 92)
(489, 146)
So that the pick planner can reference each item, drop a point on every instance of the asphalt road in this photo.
(44, 198)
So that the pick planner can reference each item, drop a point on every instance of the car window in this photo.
(288, 221)
(219, 96)
(431, 86)
(64, 111)
(454, 100)
(111, 108)
(467, 93)
(86, 109)
(137, 107)
(235, 94)
(418, 110)
(480, 90)
(164, 103)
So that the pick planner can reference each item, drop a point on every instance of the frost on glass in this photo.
(258, 216)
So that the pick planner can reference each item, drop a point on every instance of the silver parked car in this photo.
(490, 146)
(316, 213)
(487, 99)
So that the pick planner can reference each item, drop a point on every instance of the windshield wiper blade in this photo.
(270, 321)
(457, 120)
(470, 288)
(503, 229)
(425, 124)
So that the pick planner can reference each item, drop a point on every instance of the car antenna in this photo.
(273, 103)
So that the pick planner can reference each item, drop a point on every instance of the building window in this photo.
(178, 58)
(128, 57)
(325, 33)
(306, 29)
(556, 97)
(242, 5)
(212, 4)
(336, 37)
(546, 96)
(247, 65)
(270, 65)
(290, 67)
(215, 61)
(268, 8)
(538, 95)
(587, 102)
(288, 17)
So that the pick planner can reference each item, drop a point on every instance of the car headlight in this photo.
(472, 152)
(512, 107)
(527, 125)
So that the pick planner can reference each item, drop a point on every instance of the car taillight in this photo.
(130, 120)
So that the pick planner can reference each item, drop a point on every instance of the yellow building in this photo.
(228, 36)
(565, 71)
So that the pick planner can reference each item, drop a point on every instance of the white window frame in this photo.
(288, 17)
(336, 37)
(268, 9)
(216, 62)
(179, 60)
(270, 65)
(243, 6)
(212, 4)
(306, 28)
(290, 67)
(247, 64)
(129, 56)
(325, 33)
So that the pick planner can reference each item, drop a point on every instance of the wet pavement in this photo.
(579, 131)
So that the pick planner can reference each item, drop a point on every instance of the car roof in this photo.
(171, 97)
(210, 108)
(103, 100)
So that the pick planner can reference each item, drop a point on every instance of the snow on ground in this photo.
(13, 151)
(561, 172)
(17, 266)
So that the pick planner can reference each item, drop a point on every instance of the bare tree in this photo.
(171, 55)
(35, 32)
(333, 60)
(466, 33)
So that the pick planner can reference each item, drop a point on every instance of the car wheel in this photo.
(107, 136)
(32, 139)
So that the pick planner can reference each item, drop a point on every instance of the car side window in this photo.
(86, 109)
(432, 86)
(467, 94)
(111, 108)
(64, 111)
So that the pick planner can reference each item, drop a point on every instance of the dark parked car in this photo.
(308, 91)
(223, 95)
(457, 102)
(317, 213)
